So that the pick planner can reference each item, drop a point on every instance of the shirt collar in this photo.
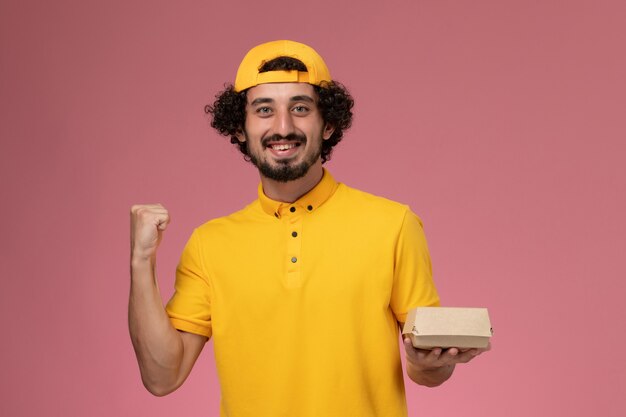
(308, 202)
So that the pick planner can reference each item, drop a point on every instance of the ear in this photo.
(328, 131)
(240, 136)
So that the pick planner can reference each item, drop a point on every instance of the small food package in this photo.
(445, 327)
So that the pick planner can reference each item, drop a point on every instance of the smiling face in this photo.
(284, 130)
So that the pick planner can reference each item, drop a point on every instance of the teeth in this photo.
(283, 147)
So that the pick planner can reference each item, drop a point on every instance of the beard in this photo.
(285, 171)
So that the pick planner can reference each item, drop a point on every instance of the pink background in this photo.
(502, 123)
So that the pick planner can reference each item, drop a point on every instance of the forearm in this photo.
(432, 377)
(158, 346)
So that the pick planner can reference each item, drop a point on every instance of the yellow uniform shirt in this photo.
(303, 301)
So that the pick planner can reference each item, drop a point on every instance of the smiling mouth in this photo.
(279, 143)
(282, 146)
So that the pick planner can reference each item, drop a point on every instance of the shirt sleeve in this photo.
(189, 308)
(413, 281)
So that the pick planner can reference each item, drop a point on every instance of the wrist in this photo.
(140, 261)
(141, 252)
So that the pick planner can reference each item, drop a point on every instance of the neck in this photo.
(290, 191)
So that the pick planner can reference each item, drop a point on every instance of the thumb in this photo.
(162, 222)
(407, 341)
(162, 225)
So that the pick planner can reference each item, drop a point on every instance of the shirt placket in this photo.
(293, 219)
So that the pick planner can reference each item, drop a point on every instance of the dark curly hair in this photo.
(335, 105)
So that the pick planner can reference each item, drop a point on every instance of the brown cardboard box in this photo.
(430, 327)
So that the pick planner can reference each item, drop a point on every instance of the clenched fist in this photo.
(147, 223)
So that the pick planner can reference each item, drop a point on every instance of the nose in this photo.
(283, 123)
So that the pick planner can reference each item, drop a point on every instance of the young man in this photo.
(304, 289)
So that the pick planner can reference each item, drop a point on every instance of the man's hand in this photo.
(433, 367)
(147, 223)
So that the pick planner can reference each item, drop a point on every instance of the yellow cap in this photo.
(248, 74)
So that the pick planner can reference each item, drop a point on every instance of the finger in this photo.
(412, 353)
(150, 208)
(450, 355)
(467, 356)
(434, 357)
(407, 341)
(435, 353)
(408, 347)
(427, 358)
(156, 216)
(163, 222)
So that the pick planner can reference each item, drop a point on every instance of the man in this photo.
(304, 289)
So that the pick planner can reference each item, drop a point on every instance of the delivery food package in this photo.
(445, 327)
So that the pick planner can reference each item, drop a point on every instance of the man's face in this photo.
(284, 130)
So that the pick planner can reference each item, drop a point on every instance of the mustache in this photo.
(290, 137)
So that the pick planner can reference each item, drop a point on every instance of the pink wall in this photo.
(502, 123)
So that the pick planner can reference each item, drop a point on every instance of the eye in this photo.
(301, 109)
(263, 111)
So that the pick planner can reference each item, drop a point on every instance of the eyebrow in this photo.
(302, 98)
(263, 100)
